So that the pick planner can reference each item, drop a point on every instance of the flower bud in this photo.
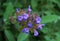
(29, 9)
(17, 9)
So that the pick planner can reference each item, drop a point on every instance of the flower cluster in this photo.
(29, 21)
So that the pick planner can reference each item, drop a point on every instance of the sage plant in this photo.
(29, 21)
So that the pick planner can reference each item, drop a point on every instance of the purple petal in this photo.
(29, 9)
(25, 16)
(40, 27)
(20, 18)
(43, 24)
(25, 30)
(29, 24)
(38, 20)
(35, 33)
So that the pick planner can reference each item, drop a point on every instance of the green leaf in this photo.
(18, 5)
(56, 1)
(17, 26)
(45, 30)
(57, 36)
(47, 38)
(34, 4)
(8, 11)
(22, 36)
(49, 18)
(9, 35)
(48, 12)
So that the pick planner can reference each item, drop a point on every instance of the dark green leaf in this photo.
(9, 35)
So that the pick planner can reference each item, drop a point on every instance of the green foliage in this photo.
(48, 9)
(9, 35)
(22, 37)
(49, 18)
(57, 36)
(9, 11)
(34, 4)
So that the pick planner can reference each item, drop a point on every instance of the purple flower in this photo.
(25, 30)
(35, 33)
(29, 9)
(43, 24)
(20, 18)
(29, 24)
(17, 9)
(38, 20)
(25, 16)
(40, 27)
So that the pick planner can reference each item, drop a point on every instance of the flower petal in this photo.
(25, 30)
(35, 33)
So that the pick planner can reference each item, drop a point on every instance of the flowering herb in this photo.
(29, 21)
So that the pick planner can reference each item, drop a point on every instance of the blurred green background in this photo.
(49, 10)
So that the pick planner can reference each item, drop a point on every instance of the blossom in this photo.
(40, 27)
(25, 16)
(29, 9)
(43, 24)
(38, 20)
(20, 18)
(25, 30)
(29, 24)
(35, 33)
